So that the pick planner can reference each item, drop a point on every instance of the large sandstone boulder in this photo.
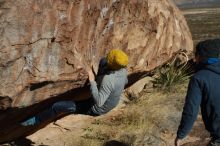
(46, 45)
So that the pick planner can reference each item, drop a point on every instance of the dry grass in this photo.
(141, 122)
(172, 74)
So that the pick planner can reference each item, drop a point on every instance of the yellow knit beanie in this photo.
(117, 59)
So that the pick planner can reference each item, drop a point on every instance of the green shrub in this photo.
(172, 74)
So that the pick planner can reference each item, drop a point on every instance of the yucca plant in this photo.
(172, 74)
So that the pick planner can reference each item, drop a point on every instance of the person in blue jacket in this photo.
(204, 92)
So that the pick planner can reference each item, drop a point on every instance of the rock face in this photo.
(46, 45)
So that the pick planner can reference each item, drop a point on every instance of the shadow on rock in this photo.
(21, 142)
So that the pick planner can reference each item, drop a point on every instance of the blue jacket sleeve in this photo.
(191, 108)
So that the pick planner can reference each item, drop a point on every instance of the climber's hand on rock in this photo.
(90, 74)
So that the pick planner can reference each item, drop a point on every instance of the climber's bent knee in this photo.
(63, 107)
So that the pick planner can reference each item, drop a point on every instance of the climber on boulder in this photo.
(203, 91)
(105, 90)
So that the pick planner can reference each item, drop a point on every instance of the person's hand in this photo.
(90, 74)
(177, 142)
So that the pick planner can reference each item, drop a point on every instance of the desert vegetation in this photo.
(146, 120)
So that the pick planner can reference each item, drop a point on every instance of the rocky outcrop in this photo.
(46, 45)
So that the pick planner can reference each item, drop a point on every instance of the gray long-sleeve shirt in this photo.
(107, 95)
